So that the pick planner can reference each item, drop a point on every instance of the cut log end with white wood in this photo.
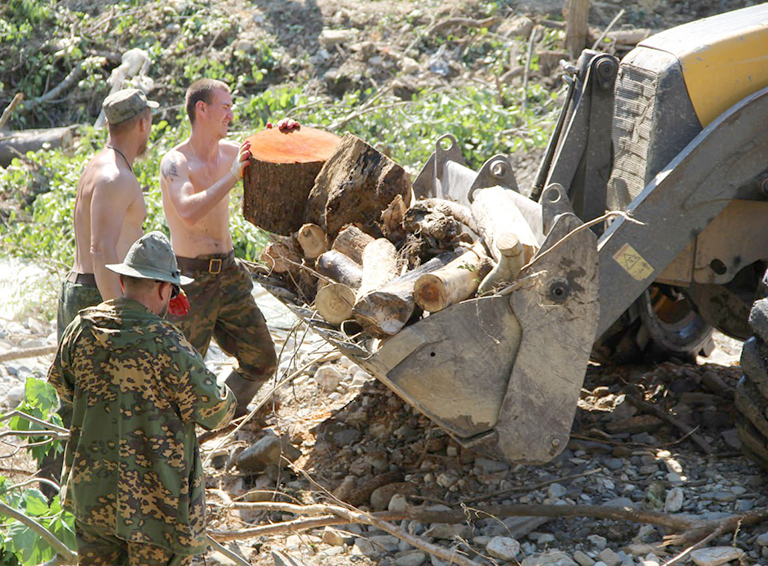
(453, 283)
(312, 240)
(334, 303)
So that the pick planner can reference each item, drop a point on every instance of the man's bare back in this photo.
(185, 181)
(109, 213)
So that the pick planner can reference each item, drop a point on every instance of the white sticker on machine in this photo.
(633, 263)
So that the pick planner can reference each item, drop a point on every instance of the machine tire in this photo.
(662, 323)
(752, 389)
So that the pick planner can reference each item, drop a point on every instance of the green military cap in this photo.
(151, 257)
(125, 104)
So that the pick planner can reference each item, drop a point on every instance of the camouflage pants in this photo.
(72, 299)
(98, 547)
(222, 307)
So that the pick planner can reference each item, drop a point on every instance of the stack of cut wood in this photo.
(349, 241)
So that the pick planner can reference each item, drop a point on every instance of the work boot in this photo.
(244, 389)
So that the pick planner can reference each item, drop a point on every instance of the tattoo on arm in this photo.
(170, 170)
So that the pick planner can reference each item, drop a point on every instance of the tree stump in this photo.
(281, 175)
(577, 16)
(355, 185)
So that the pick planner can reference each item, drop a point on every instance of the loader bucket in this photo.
(504, 370)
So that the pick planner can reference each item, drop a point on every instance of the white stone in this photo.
(328, 377)
(556, 491)
(762, 540)
(364, 547)
(447, 479)
(503, 548)
(674, 500)
(715, 556)
(583, 559)
(553, 558)
(14, 396)
(409, 66)
(398, 503)
(609, 557)
(332, 537)
(597, 541)
(386, 542)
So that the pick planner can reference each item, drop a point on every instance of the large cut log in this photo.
(355, 185)
(281, 175)
(340, 268)
(380, 265)
(312, 240)
(453, 283)
(385, 311)
(19, 142)
(495, 214)
(282, 255)
(334, 302)
(351, 241)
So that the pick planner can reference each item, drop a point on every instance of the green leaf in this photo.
(35, 503)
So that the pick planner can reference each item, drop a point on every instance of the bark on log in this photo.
(380, 265)
(312, 240)
(21, 141)
(454, 282)
(351, 241)
(495, 213)
(430, 220)
(577, 16)
(281, 175)
(282, 255)
(385, 311)
(392, 220)
(334, 302)
(355, 185)
(340, 268)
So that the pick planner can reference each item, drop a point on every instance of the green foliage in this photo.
(40, 401)
(19, 544)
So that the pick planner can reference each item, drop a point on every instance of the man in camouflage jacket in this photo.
(132, 471)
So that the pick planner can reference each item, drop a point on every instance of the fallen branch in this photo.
(9, 109)
(528, 488)
(66, 555)
(653, 409)
(607, 29)
(27, 353)
(71, 78)
(228, 553)
(454, 516)
(352, 515)
(710, 530)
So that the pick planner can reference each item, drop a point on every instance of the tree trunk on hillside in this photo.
(577, 16)
(355, 185)
(281, 175)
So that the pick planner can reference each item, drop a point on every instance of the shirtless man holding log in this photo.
(196, 178)
(109, 206)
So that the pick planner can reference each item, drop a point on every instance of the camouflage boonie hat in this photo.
(151, 257)
(125, 104)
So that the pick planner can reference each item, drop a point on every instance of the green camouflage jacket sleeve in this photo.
(138, 389)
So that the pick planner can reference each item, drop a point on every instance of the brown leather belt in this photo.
(213, 264)
(82, 278)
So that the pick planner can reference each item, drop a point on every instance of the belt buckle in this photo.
(214, 266)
